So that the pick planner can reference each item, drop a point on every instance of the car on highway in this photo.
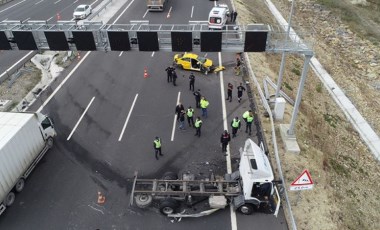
(193, 62)
(82, 11)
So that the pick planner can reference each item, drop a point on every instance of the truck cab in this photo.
(218, 16)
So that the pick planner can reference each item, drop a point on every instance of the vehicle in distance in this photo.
(218, 16)
(24, 140)
(82, 11)
(156, 5)
(193, 62)
(250, 189)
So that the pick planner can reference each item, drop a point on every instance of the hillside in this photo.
(345, 173)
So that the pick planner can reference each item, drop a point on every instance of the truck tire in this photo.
(143, 200)
(10, 199)
(168, 206)
(20, 185)
(246, 209)
(170, 176)
(50, 142)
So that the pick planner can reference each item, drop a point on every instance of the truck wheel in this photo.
(246, 209)
(143, 200)
(170, 176)
(10, 199)
(168, 206)
(20, 185)
(50, 142)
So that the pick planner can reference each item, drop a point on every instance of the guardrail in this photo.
(4, 1)
(96, 13)
(17, 66)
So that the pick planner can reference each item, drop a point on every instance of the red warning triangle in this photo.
(303, 179)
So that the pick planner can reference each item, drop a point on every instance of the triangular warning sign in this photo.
(302, 182)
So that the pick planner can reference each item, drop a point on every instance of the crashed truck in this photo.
(156, 5)
(250, 189)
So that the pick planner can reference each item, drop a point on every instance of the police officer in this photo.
(198, 96)
(224, 139)
(157, 147)
(192, 81)
(246, 114)
(235, 124)
(174, 76)
(248, 124)
(169, 71)
(198, 126)
(189, 114)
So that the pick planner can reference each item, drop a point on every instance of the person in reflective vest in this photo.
(157, 147)
(190, 118)
(224, 139)
(235, 124)
(245, 115)
(198, 126)
(204, 105)
(248, 124)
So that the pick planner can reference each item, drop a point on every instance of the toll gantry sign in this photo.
(303, 182)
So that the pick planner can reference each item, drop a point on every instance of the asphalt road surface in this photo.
(96, 153)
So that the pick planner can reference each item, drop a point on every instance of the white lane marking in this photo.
(123, 12)
(121, 53)
(80, 119)
(6, 71)
(12, 6)
(145, 13)
(225, 126)
(38, 2)
(93, 3)
(63, 82)
(170, 10)
(192, 11)
(49, 19)
(129, 115)
(153, 54)
(25, 20)
(175, 117)
(57, 1)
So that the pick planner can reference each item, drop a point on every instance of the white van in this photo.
(218, 16)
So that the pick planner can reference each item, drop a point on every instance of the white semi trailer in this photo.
(156, 5)
(24, 140)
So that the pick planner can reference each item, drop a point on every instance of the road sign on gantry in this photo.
(303, 182)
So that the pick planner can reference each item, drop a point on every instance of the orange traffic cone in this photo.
(145, 73)
(101, 198)
(58, 17)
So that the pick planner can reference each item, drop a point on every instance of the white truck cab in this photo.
(218, 16)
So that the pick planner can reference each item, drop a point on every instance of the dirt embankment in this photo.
(345, 173)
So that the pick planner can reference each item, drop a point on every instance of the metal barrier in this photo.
(99, 10)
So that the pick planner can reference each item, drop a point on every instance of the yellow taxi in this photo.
(193, 62)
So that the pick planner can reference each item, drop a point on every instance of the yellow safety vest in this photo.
(245, 114)
(197, 123)
(157, 143)
(249, 119)
(190, 112)
(235, 123)
(204, 104)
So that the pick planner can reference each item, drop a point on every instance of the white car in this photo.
(82, 11)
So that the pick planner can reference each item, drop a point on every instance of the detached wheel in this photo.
(10, 199)
(246, 209)
(168, 206)
(20, 185)
(143, 200)
(170, 176)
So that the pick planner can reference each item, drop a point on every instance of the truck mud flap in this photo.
(200, 214)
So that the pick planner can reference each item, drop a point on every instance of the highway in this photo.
(96, 153)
